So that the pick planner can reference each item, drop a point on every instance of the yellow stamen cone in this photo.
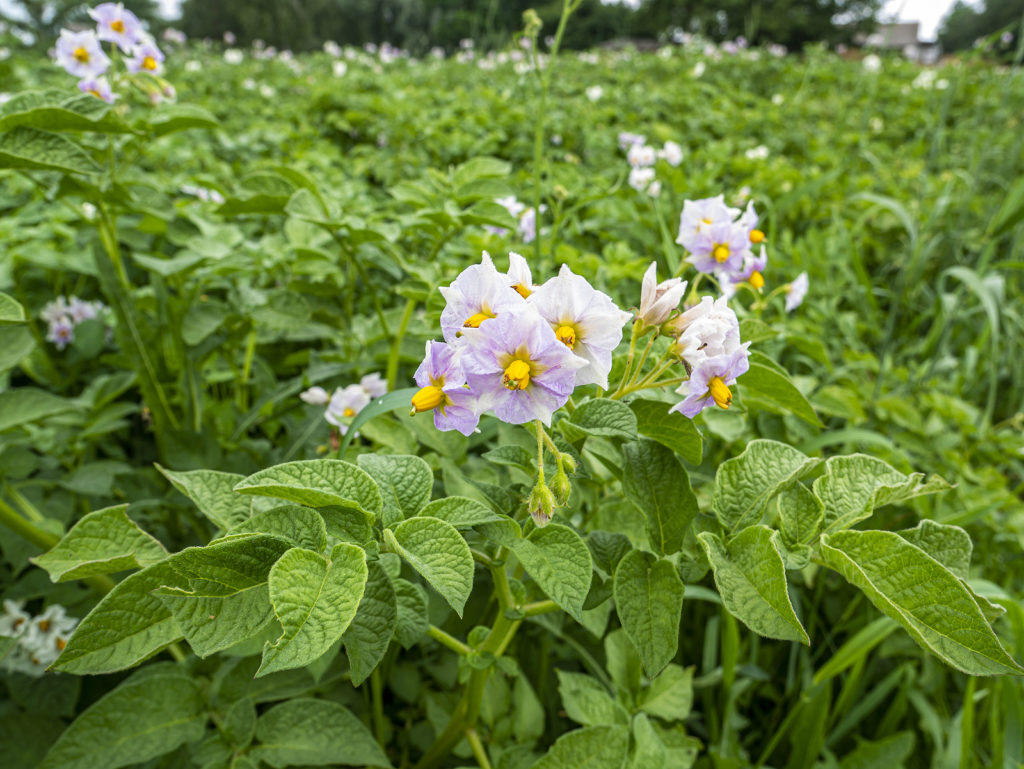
(756, 279)
(566, 335)
(721, 253)
(721, 394)
(428, 398)
(756, 236)
(517, 375)
(474, 321)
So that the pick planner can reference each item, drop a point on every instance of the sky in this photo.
(928, 12)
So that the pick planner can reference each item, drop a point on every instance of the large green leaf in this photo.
(765, 386)
(746, 483)
(751, 579)
(368, 635)
(29, 404)
(602, 417)
(649, 601)
(949, 545)
(213, 493)
(595, 747)
(670, 695)
(128, 626)
(673, 430)
(800, 514)
(559, 561)
(31, 149)
(57, 111)
(224, 596)
(439, 553)
(317, 483)
(928, 600)
(149, 715)
(461, 512)
(102, 542)
(11, 311)
(302, 526)
(587, 702)
(413, 618)
(853, 486)
(658, 486)
(405, 483)
(314, 599)
(308, 732)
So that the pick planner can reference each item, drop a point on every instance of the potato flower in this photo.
(796, 291)
(659, 300)
(518, 368)
(478, 294)
(146, 57)
(697, 215)
(710, 380)
(443, 390)
(706, 331)
(585, 320)
(80, 54)
(722, 246)
(344, 405)
(98, 87)
(116, 24)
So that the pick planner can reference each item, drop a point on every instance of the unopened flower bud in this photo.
(561, 488)
(541, 504)
(568, 462)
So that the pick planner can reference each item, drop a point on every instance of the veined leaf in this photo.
(559, 561)
(745, 484)
(751, 579)
(103, 542)
(367, 637)
(213, 493)
(439, 553)
(317, 483)
(658, 486)
(928, 600)
(595, 747)
(150, 714)
(649, 601)
(314, 600)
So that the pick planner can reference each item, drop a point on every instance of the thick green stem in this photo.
(446, 639)
(479, 751)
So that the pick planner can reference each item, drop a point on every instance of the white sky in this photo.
(928, 12)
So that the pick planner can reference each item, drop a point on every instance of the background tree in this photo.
(421, 24)
(965, 24)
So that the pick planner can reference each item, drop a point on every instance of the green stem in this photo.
(445, 639)
(539, 607)
(637, 325)
(477, 746)
(540, 451)
(568, 6)
(241, 395)
(377, 694)
(391, 372)
(374, 299)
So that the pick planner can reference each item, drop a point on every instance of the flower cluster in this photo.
(642, 157)
(81, 53)
(513, 348)
(721, 241)
(706, 339)
(345, 402)
(40, 639)
(63, 314)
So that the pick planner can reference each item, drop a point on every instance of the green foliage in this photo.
(769, 585)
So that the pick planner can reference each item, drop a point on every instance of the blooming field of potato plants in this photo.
(508, 409)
